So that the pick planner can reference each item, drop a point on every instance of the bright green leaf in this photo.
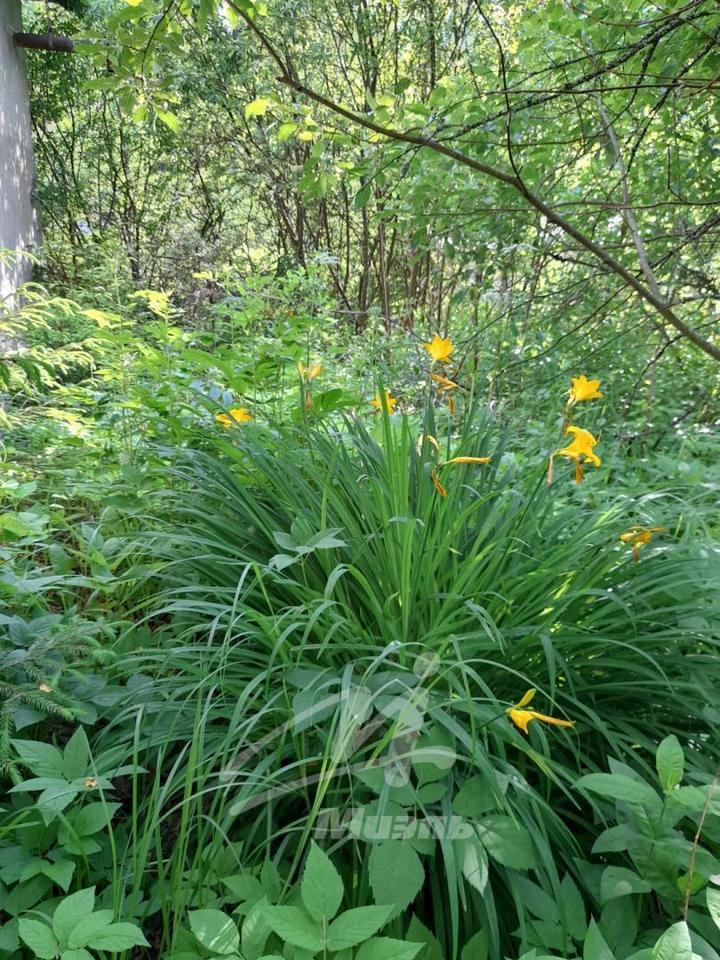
(322, 886)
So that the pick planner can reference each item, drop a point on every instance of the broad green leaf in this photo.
(91, 818)
(473, 861)
(674, 944)
(620, 882)
(169, 119)
(322, 886)
(76, 755)
(55, 798)
(86, 928)
(595, 946)
(11, 523)
(38, 937)
(355, 926)
(43, 759)
(474, 798)
(270, 879)
(362, 196)
(476, 948)
(670, 763)
(80, 954)
(255, 930)
(117, 937)
(384, 948)
(215, 931)
(434, 754)
(285, 131)
(417, 932)
(507, 842)
(712, 895)
(244, 887)
(70, 911)
(573, 908)
(396, 873)
(616, 786)
(60, 872)
(295, 926)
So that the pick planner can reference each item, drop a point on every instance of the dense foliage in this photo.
(360, 584)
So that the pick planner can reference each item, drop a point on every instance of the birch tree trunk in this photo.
(19, 223)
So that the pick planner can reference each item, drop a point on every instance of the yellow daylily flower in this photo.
(234, 415)
(521, 717)
(638, 536)
(309, 372)
(436, 480)
(584, 389)
(439, 349)
(581, 449)
(390, 402)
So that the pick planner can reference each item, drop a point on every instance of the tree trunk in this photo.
(19, 223)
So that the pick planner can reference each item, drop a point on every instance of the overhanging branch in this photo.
(429, 143)
(44, 41)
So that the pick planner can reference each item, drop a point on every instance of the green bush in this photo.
(340, 645)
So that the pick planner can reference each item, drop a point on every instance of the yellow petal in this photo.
(521, 718)
(584, 389)
(240, 415)
(552, 721)
(389, 402)
(444, 383)
(309, 373)
(468, 460)
(527, 698)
